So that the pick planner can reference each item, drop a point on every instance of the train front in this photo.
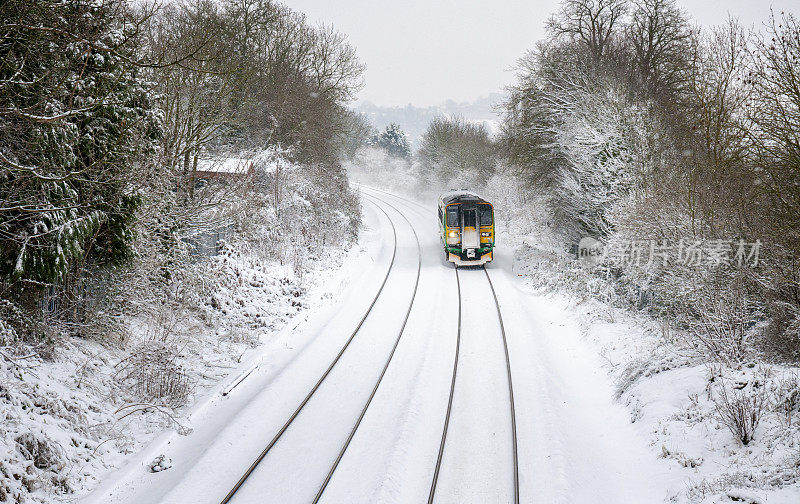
(468, 229)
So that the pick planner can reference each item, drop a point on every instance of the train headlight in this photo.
(452, 234)
(486, 234)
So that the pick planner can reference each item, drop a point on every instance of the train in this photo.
(466, 222)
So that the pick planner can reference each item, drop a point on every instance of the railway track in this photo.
(512, 410)
(510, 388)
(324, 485)
(423, 208)
(240, 482)
(442, 445)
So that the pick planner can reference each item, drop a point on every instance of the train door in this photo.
(470, 237)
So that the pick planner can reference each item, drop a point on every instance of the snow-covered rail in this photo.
(510, 389)
(450, 399)
(385, 367)
(316, 386)
(512, 411)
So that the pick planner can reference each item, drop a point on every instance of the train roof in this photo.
(460, 197)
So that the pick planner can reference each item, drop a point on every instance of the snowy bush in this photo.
(740, 406)
(724, 323)
(787, 399)
(41, 451)
(33, 457)
(15, 325)
(153, 372)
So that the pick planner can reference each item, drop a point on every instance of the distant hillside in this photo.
(414, 120)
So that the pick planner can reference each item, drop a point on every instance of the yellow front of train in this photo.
(469, 233)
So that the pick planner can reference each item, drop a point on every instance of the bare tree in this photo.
(774, 112)
(593, 23)
(195, 94)
(719, 182)
(661, 43)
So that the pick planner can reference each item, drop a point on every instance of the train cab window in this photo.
(452, 217)
(486, 215)
(469, 218)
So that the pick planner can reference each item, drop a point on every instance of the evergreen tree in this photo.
(76, 117)
(393, 141)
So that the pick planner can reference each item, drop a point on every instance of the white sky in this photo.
(426, 51)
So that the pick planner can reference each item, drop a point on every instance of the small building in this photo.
(223, 169)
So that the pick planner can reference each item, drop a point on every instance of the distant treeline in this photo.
(414, 120)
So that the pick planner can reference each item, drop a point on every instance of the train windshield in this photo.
(469, 218)
(485, 215)
(452, 216)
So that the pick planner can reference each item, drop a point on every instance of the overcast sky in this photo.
(426, 51)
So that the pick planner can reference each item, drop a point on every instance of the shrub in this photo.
(152, 371)
(43, 452)
(722, 315)
(740, 408)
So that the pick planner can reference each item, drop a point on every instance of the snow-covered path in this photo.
(575, 444)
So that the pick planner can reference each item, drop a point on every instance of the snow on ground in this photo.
(232, 429)
(669, 394)
(575, 442)
(606, 362)
(225, 164)
(69, 421)
(610, 405)
(476, 466)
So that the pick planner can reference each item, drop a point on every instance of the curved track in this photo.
(385, 367)
(512, 410)
(415, 402)
(230, 495)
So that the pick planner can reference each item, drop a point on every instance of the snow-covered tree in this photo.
(454, 148)
(76, 118)
(393, 140)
